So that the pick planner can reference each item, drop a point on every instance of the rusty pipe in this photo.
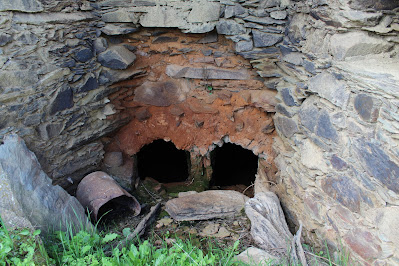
(98, 188)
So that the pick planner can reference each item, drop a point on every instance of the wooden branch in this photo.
(142, 226)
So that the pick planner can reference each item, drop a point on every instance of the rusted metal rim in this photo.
(98, 188)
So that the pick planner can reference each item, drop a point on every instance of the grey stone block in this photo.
(309, 66)
(244, 46)
(229, 12)
(308, 116)
(287, 97)
(262, 39)
(377, 163)
(236, 10)
(357, 43)
(100, 45)
(33, 120)
(286, 126)
(367, 107)
(339, 119)
(330, 88)
(203, 12)
(278, 14)
(338, 163)
(282, 110)
(63, 100)
(293, 58)
(69, 63)
(229, 27)
(116, 57)
(90, 84)
(375, 4)
(84, 55)
(325, 128)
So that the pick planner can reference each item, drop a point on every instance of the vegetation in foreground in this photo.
(24, 247)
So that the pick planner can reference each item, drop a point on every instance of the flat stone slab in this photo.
(206, 205)
(176, 71)
(64, 18)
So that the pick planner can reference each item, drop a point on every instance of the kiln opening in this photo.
(233, 165)
(162, 161)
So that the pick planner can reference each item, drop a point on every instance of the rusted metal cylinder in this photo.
(98, 188)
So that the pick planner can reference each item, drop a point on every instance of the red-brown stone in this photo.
(364, 244)
(193, 112)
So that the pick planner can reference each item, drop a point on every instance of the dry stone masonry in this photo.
(67, 68)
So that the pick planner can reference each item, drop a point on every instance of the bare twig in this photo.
(320, 257)
(150, 193)
(188, 254)
(248, 188)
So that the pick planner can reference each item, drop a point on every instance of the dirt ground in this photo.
(220, 232)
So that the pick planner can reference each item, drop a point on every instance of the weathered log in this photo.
(268, 226)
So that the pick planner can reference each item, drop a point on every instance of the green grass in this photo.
(85, 248)
(90, 247)
(21, 247)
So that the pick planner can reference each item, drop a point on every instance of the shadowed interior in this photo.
(162, 161)
(233, 165)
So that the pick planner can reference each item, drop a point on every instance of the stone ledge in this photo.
(37, 19)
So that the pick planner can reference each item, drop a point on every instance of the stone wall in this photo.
(47, 64)
(338, 124)
(333, 63)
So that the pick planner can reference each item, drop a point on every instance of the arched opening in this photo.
(162, 161)
(233, 165)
